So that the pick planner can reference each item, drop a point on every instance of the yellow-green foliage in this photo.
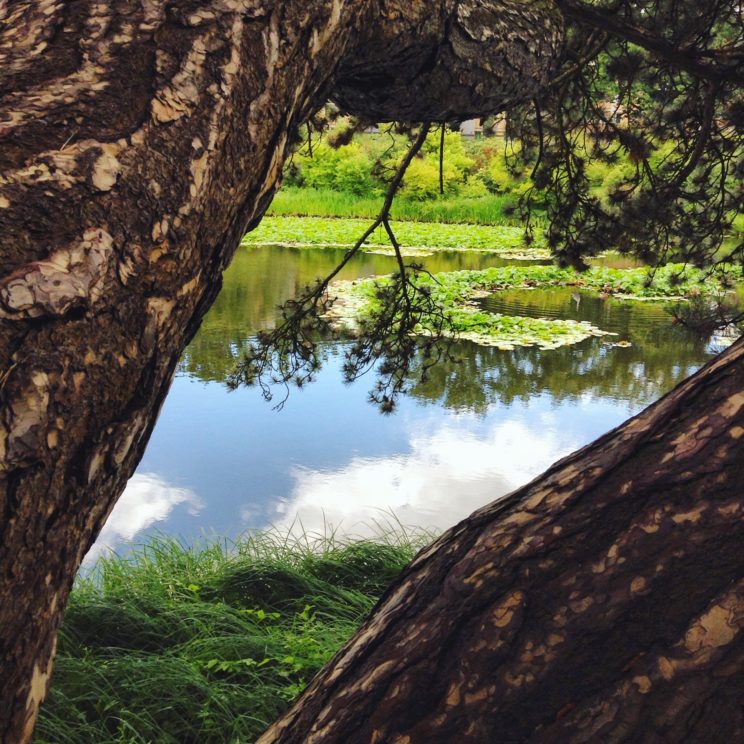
(454, 151)
(365, 167)
(605, 178)
(738, 225)
(422, 178)
(475, 188)
(347, 168)
(500, 178)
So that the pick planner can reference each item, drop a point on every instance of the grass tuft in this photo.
(210, 642)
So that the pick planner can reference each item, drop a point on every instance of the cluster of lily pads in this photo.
(459, 292)
(666, 283)
(418, 238)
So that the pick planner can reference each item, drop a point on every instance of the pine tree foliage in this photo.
(656, 87)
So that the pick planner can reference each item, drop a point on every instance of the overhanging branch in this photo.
(725, 67)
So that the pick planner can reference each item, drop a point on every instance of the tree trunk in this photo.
(138, 142)
(603, 602)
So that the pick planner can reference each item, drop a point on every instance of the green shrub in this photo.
(354, 174)
(607, 177)
(347, 168)
(421, 181)
(455, 156)
(474, 188)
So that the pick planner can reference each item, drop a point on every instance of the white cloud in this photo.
(445, 477)
(146, 500)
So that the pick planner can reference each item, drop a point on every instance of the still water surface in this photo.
(222, 462)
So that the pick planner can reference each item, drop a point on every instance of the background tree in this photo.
(139, 142)
(656, 86)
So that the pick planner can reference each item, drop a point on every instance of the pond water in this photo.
(222, 462)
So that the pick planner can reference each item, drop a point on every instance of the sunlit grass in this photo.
(209, 643)
(320, 231)
(493, 209)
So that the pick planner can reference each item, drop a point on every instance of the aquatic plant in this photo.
(459, 292)
(318, 231)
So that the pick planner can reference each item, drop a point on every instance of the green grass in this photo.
(492, 209)
(320, 231)
(208, 643)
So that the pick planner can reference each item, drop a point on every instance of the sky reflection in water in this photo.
(220, 463)
(148, 500)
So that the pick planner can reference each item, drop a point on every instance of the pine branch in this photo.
(292, 353)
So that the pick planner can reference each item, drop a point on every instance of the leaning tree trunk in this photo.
(603, 602)
(138, 143)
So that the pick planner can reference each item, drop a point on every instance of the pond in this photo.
(221, 462)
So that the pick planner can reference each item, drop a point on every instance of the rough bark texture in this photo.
(604, 602)
(494, 57)
(139, 140)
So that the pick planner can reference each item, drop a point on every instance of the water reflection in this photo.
(260, 279)
(147, 501)
(636, 375)
(477, 429)
(661, 354)
(447, 474)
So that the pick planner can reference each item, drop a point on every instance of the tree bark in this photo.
(603, 602)
(138, 142)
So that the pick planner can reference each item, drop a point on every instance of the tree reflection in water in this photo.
(659, 357)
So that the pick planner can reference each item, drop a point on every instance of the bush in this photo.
(608, 176)
(498, 176)
(475, 188)
(456, 159)
(347, 168)
(422, 180)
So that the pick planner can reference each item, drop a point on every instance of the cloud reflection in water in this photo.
(446, 476)
(146, 500)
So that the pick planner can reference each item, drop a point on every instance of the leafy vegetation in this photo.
(487, 181)
(366, 165)
(209, 643)
(670, 281)
(478, 181)
(458, 292)
(638, 142)
(491, 209)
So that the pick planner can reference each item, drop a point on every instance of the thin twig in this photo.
(290, 351)
(441, 160)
